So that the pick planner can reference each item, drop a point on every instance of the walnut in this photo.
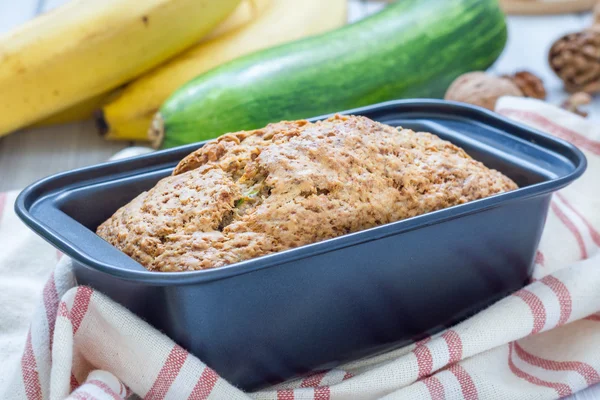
(575, 58)
(530, 84)
(481, 89)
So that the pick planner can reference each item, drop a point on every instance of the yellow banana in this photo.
(245, 13)
(87, 47)
(79, 112)
(129, 115)
(242, 15)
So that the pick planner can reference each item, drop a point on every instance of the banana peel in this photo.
(242, 15)
(86, 48)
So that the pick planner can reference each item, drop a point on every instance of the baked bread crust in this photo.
(252, 193)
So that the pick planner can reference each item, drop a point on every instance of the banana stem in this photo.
(100, 122)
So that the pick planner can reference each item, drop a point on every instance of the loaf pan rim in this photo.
(23, 207)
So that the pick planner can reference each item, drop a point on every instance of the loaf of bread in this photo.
(252, 193)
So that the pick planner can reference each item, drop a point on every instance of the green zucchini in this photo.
(411, 49)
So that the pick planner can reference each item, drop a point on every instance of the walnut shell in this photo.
(530, 84)
(481, 89)
(575, 58)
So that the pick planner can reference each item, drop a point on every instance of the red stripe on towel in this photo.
(313, 380)
(424, 361)
(435, 387)
(322, 393)
(74, 384)
(563, 295)
(51, 300)
(539, 258)
(105, 388)
(467, 386)
(206, 383)
(571, 226)
(168, 373)
(593, 232)
(593, 317)
(538, 310)
(561, 388)
(31, 378)
(585, 370)
(553, 128)
(285, 394)
(80, 306)
(63, 310)
(455, 347)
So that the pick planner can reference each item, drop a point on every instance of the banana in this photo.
(245, 13)
(88, 47)
(242, 15)
(79, 112)
(129, 115)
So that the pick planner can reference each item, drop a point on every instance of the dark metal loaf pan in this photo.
(267, 319)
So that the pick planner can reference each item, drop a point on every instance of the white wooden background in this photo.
(30, 154)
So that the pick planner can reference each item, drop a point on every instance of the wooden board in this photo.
(545, 7)
(31, 154)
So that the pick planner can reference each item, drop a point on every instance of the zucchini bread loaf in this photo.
(251, 193)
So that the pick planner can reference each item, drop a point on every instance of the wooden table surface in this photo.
(31, 154)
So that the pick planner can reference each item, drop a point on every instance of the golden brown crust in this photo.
(248, 194)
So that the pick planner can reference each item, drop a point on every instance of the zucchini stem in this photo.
(156, 133)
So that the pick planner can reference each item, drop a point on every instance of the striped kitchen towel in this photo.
(542, 342)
